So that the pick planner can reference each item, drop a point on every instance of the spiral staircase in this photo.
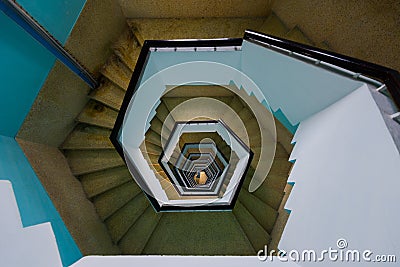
(258, 217)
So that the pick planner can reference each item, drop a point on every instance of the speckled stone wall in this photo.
(368, 30)
(194, 9)
(63, 95)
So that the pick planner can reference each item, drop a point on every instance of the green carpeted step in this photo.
(133, 242)
(198, 233)
(87, 161)
(297, 35)
(280, 152)
(109, 94)
(253, 230)
(269, 196)
(127, 48)
(98, 115)
(262, 212)
(83, 140)
(284, 137)
(273, 25)
(117, 72)
(112, 200)
(120, 222)
(245, 114)
(99, 182)
(236, 104)
(280, 166)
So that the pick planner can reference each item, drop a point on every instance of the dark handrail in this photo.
(390, 77)
(39, 33)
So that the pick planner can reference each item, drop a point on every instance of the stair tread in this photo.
(109, 94)
(127, 49)
(112, 200)
(297, 35)
(87, 161)
(117, 72)
(99, 182)
(211, 233)
(84, 140)
(324, 45)
(269, 196)
(99, 115)
(134, 241)
(120, 222)
(256, 234)
(262, 212)
(273, 25)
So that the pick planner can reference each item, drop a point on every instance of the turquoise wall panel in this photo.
(57, 16)
(33, 201)
(24, 63)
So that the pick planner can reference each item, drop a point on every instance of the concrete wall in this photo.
(346, 180)
(367, 30)
(194, 9)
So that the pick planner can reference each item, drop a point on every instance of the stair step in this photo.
(87, 161)
(109, 94)
(273, 25)
(134, 241)
(245, 114)
(256, 234)
(236, 104)
(324, 45)
(280, 152)
(157, 126)
(198, 233)
(117, 72)
(120, 222)
(153, 137)
(280, 167)
(99, 182)
(162, 113)
(99, 115)
(269, 196)
(127, 49)
(91, 129)
(112, 200)
(148, 147)
(297, 35)
(276, 182)
(136, 33)
(83, 140)
(284, 137)
(262, 212)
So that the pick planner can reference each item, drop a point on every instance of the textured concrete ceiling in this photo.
(194, 9)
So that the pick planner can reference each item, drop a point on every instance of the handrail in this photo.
(388, 76)
(40, 34)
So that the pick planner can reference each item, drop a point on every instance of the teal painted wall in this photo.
(24, 63)
(33, 201)
(24, 67)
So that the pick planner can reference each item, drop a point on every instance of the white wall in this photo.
(299, 89)
(346, 178)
